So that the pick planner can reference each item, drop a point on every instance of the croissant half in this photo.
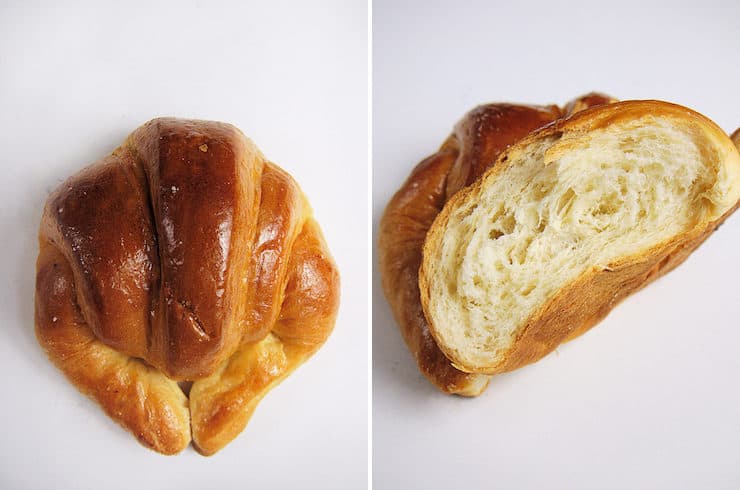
(531, 223)
(183, 256)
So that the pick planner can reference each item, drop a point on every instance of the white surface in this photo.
(73, 83)
(646, 400)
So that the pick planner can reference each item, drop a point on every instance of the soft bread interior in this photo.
(557, 207)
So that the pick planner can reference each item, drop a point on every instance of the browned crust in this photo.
(402, 230)
(144, 401)
(584, 302)
(735, 137)
(593, 99)
(475, 144)
(179, 257)
(201, 178)
(485, 132)
(222, 404)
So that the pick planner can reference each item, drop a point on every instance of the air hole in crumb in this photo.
(608, 206)
(565, 201)
(520, 252)
(541, 191)
(508, 223)
(496, 215)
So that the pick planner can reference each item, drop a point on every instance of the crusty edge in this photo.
(139, 398)
(552, 323)
(400, 238)
(222, 404)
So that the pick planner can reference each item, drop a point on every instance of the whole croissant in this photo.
(183, 256)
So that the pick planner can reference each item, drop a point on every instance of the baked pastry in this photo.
(550, 230)
(184, 257)
(475, 143)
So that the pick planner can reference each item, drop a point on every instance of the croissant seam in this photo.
(155, 288)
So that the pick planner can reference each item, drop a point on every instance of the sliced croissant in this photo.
(568, 222)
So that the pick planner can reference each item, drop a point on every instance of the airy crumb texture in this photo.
(560, 204)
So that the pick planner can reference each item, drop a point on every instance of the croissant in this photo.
(179, 280)
(480, 285)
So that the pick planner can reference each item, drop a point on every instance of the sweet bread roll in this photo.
(568, 222)
(184, 256)
(475, 143)
(486, 139)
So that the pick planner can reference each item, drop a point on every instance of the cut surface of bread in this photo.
(614, 190)
(473, 147)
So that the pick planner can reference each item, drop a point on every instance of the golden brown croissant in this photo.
(477, 142)
(183, 256)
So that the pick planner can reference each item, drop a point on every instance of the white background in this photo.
(74, 81)
(649, 399)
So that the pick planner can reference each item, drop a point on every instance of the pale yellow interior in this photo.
(566, 204)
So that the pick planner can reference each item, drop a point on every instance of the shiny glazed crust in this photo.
(183, 256)
(585, 301)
